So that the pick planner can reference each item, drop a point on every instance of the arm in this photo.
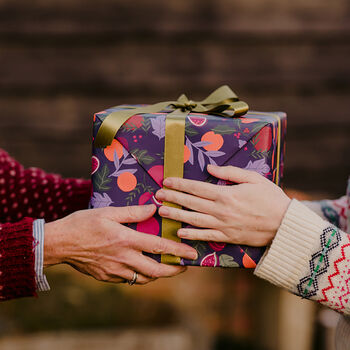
(308, 255)
(334, 211)
(92, 241)
(32, 192)
(17, 274)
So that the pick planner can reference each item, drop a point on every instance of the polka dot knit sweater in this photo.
(25, 195)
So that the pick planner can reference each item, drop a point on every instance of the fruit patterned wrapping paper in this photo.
(130, 170)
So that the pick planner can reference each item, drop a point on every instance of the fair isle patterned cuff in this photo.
(286, 262)
(38, 234)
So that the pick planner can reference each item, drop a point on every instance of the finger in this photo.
(197, 188)
(135, 213)
(190, 217)
(202, 235)
(127, 275)
(141, 278)
(153, 269)
(234, 174)
(185, 200)
(157, 245)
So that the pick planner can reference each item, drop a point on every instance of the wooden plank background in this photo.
(61, 61)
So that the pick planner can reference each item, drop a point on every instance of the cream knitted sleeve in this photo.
(310, 257)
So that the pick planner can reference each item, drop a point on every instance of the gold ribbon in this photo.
(221, 100)
(173, 167)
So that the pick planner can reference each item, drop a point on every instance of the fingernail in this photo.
(164, 211)
(160, 194)
(182, 233)
(211, 166)
(193, 255)
(167, 182)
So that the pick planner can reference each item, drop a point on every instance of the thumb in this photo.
(135, 213)
(234, 174)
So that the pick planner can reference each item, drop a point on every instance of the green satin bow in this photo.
(221, 100)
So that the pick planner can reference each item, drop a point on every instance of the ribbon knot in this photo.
(188, 105)
(223, 101)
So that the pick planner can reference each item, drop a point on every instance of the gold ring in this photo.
(133, 280)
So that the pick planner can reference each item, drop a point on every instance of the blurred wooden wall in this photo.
(61, 61)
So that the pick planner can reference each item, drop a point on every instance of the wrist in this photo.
(53, 244)
(282, 209)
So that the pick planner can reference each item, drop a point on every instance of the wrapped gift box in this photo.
(130, 170)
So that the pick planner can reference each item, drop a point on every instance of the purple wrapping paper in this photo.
(130, 170)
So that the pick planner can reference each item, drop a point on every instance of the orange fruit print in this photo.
(216, 141)
(115, 146)
(126, 181)
(248, 262)
(187, 154)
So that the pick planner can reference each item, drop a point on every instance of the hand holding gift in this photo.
(136, 147)
(248, 213)
(98, 245)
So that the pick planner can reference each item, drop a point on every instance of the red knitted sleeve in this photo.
(17, 275)
(33, 193)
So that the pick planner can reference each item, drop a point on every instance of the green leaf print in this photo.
(257, 128)
(137, 191)
(223, 130)
(131, 127)
(227, 261)
(101, 179)
(142, 156)
(189, 131)
(146, 124)
(260, 154)
(201, 248)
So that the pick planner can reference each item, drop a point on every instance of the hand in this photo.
(247, 213)
(95, 243)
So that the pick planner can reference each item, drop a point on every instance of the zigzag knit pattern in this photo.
(308, 286)
(337, 293)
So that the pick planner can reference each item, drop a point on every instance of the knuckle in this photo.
(238, 238)
(228, 194)
(160, 247)
(122, 240)
(226, 214)
(101, 277)
(155, 272)
(225, 196)
(129, 213)
(196, 221)
(145, 281)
